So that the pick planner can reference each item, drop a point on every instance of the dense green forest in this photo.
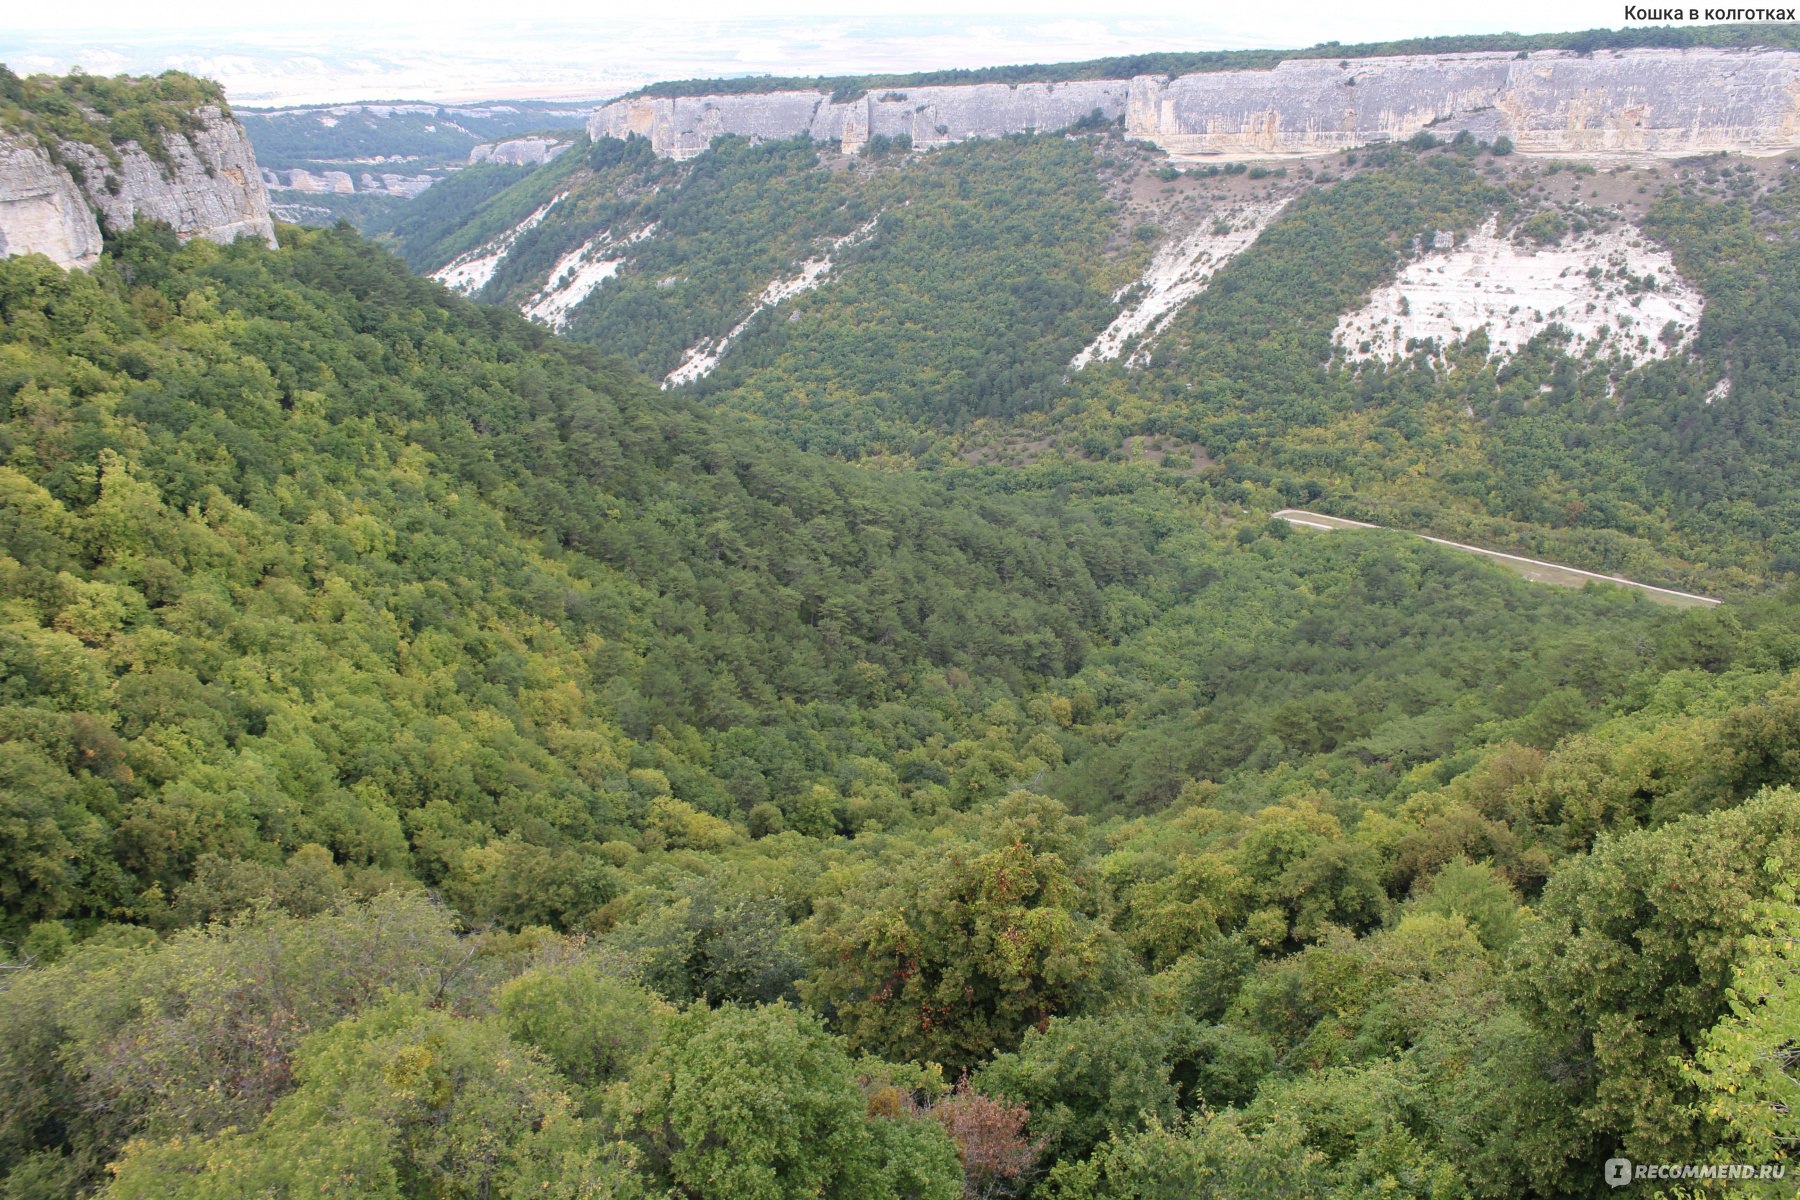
(438, 764)
(996, 250)
(440, 212)
(364, 210)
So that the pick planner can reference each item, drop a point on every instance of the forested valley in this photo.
(437, 762)
(969, 277)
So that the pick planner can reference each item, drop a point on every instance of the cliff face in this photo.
(210, 188)
(518, 152)
(42, 211)
(1629, 104)
(683, 126)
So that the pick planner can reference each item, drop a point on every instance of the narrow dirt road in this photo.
(1531, 568)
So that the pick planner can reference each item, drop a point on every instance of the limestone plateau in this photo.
(53, 205)
(1628, 104)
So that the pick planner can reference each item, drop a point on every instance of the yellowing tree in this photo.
(953, 953)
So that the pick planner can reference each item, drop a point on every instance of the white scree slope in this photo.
(704, 356)
(1179, 271)
(468, 273)
(576, 275)
(1516, 292)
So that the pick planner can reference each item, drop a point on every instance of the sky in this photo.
(328, 51)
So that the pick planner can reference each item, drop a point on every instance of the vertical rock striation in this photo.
(519, 152)
(209, 187)
(42, 211)
(1628, 103)
(683, 126)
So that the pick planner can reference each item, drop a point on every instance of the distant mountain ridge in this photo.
(325, 163)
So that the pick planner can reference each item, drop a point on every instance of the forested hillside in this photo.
(932, 311)
(436, 762)
(324, 587)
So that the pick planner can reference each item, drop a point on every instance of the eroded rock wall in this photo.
(518, 152)
(1625, 104)
(42, 211)
(1629, 104)
(683, 126)
(210, 187)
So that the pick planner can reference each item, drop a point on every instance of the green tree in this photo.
(401, 1101)
(1626, 969)
(593, 1028)
(1747, 1069)
(187, 1037)
(1210, 1156)
(1086, 1078)
(955, 952)
(762, 1104)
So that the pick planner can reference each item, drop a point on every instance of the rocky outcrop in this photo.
(42, 211)
(210, 187)
(1628, 104)
(683, 126)
(340, 183)
(405, 187)
(313, 183)
(518, 152)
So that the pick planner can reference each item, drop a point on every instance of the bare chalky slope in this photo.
(1178, 272)
(702, 358)
(468, 273)
(577, 273)
(1614, 292)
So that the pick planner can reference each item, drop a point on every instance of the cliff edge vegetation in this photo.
(84, 151)
(1777, 35)
(107, 112)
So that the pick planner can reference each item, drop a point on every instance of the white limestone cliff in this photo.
(42, 211)
(1625, 104)
(683, 126)
(518, 152)
(209, 188)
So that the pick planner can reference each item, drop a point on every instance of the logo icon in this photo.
(1618, 1172)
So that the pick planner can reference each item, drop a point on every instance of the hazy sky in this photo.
(330, 50)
